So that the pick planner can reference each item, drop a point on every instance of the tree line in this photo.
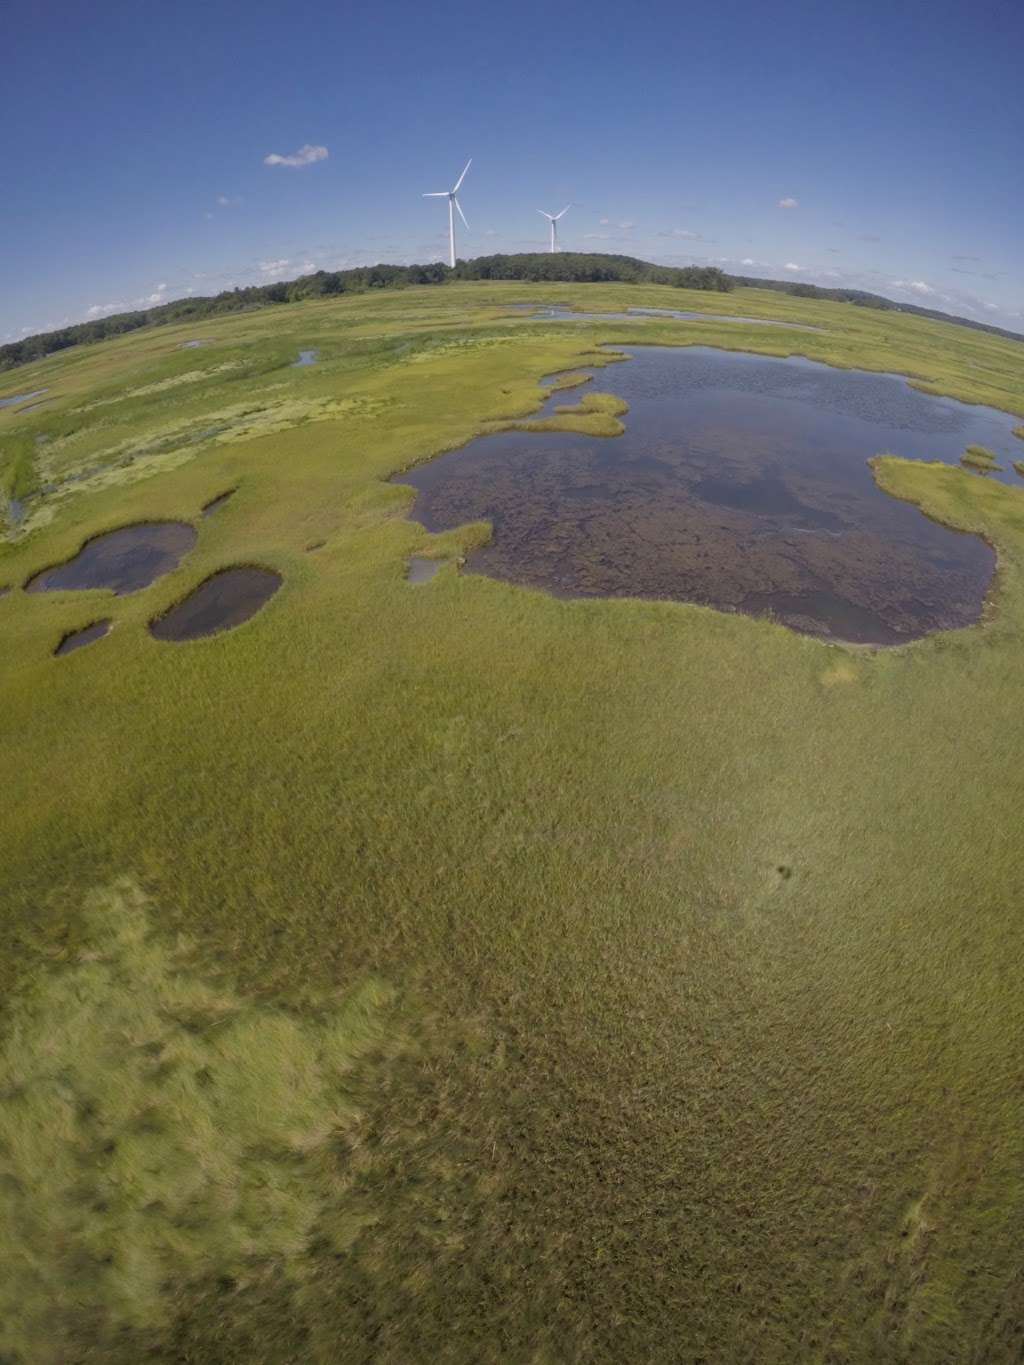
(569, 267)
(535, 267)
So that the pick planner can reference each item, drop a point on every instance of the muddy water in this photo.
(75, 639)
(741, 482)
(221, 601)
(123, 560)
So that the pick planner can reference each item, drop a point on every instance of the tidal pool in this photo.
(223, 600)
(124, 560)
(75, 639)
(741, 482)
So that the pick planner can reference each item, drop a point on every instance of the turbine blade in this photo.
(459, 207)
(563, 213)
(462, 176)
(436, 194)
(546, 215)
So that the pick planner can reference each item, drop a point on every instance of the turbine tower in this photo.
(453, 204)
(553, 220)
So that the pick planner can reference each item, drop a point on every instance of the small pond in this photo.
(16, 398)
(123, 560)
(741, 482)
(305, 358)
(223, 600)
(75, 639)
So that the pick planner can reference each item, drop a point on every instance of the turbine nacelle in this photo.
(453, 207)
(553, 220)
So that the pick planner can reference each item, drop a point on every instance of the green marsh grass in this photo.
(977, 457)
(702, 938)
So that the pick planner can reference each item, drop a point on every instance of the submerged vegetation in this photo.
(516, 978)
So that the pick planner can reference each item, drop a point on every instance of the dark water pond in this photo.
(223, 600)
(305, 358)
(16, 398)
(75, 639)
(558, 314)
(741, 482)
(123, 560)
(212, 506)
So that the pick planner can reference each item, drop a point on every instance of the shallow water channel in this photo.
(741, 482)
(16, 398)
(556, 313)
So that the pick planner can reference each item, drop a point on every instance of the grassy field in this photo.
(456, 973)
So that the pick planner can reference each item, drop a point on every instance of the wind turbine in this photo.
(453, 204)
(553, 220)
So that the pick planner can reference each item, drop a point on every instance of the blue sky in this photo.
(841, 142)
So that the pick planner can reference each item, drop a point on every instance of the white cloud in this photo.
(596, 236)
(677, 232)
(748, 260)
(789, 203)
(305, 156)
(993, 307)
(604, 222)
(918, 286)
(491, 232)
(792, 265)
(98, 309)
(274, 267)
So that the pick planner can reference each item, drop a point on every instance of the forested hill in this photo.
(532, 267)
(566, 266)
